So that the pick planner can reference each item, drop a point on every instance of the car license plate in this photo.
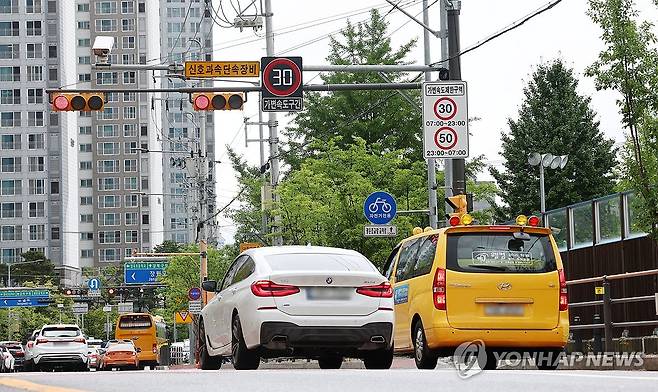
(503, 310)
(328, 293)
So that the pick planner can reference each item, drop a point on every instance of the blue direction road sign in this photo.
(380, 208)
(143, 272)
(94, 284)
(23, 297)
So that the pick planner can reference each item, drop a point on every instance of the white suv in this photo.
(298, 301)
(59, 346)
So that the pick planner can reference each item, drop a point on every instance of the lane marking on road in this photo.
(24, 385)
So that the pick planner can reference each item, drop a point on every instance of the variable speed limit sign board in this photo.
(281, 84)
(445, 119)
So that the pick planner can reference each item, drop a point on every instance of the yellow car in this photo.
(500, 286)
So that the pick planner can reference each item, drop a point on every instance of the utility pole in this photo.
(272, 123)
(261, 146)
(447, 163)
(203, 168)
(453, 8)
(431, 162)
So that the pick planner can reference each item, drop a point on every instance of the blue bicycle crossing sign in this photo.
(380, 208)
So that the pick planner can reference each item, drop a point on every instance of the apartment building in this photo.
(38, 148)
(186, 35)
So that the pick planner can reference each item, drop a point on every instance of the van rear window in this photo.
(500, 253)
(135, 322)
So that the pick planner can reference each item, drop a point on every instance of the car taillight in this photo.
(267, 288)
(155, 348)
(80, 340)
(382, 290)
(19, 354)
(439, 289)
(41, 340)
(564, 298)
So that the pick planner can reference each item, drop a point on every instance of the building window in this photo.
(35, 119)
(128, 7)
(107, 78)
(10, 119)
(9, 29)
(109, 255)
(109, 148)
(129, 77)
(131, 218)
(109, 219)
(10, 187)
(83, 7)
(33, 27)
(54, 187)
(109, 201)
(10, 51)
(9, 7)
(130, 165)
(108, 184)
(11, 210)
(130, 148)
(85, 165)
(36, 209)
(131, 236)
(10, 165)
(132, 201)
(52, 51)
(84, 42)
(34, 51)
(86, 201)
(34, 73)
(109, 237)
(37, 164)
(11, 233)
(34, 95)
(10, 74)
(10, 97)
(108, 113)
(107, 130)
(106, 7)
(130, 183)
(86, 183)
(129, 113)
(86, 236)
(35, 141)
(83, 25)
(52, 74)
(128, 42)
(127, 25)
(10, 142)
(86, 218)
(106, 25)
(129, 130)
(107, 166)
(54, 233)
(33, 6)
(86, 130)
(86, 77)
(86, 253)
(37, 232)
(37, 187)
(85, 147)
(84, 59)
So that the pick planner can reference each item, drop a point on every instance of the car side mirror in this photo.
(209, 285)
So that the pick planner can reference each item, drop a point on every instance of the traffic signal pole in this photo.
(203, 175)
(431, 162)
(272, 124)
(454, 67)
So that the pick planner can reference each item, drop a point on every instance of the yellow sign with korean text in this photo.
(222, 69)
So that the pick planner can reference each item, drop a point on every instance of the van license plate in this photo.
(327, 294)
(503, 310)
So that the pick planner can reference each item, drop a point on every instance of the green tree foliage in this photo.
(182, 274)
(554, 119)
(40, 272)
(322, 202)
(168, 246)
(628, 65)
(381, 118)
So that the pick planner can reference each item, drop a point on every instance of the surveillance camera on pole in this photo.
(102, 47)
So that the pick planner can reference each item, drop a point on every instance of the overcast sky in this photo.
(496, 72)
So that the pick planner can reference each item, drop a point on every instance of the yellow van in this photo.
(500, 286)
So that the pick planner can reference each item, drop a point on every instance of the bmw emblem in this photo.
(329, 280)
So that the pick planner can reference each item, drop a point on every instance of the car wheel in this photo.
(423, 356)
(330, 361)
(380, 359)
(243, 358)
(206, 361)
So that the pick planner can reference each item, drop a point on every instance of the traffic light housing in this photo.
(458, 203)
(217, 101)
(75, 292)
(80, 102)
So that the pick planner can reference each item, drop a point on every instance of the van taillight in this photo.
(155, 348)
(41, 340)
(80, 340)
(564, 298)
(439, 289)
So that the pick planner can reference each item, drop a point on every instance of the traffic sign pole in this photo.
(458, 165)
(431, 162)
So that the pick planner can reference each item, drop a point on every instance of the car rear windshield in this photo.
(500, 252)
(121, 347)
(135, 322)
(319, 262)
(60, 332)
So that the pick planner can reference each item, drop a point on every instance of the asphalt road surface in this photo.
(342, 380)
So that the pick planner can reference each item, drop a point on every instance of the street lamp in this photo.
(13, 264)
(546, 160)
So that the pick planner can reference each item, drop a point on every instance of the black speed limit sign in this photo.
(281, 84)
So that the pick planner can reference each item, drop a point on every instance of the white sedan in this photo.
(300, 302)
(7, 360)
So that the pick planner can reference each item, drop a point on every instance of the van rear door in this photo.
(501, 280)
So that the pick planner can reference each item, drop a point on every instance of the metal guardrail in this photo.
(607, 303)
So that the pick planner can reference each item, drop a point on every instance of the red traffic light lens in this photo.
(533, 221)
(61, 102)
(454, 221)
(201, 102)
